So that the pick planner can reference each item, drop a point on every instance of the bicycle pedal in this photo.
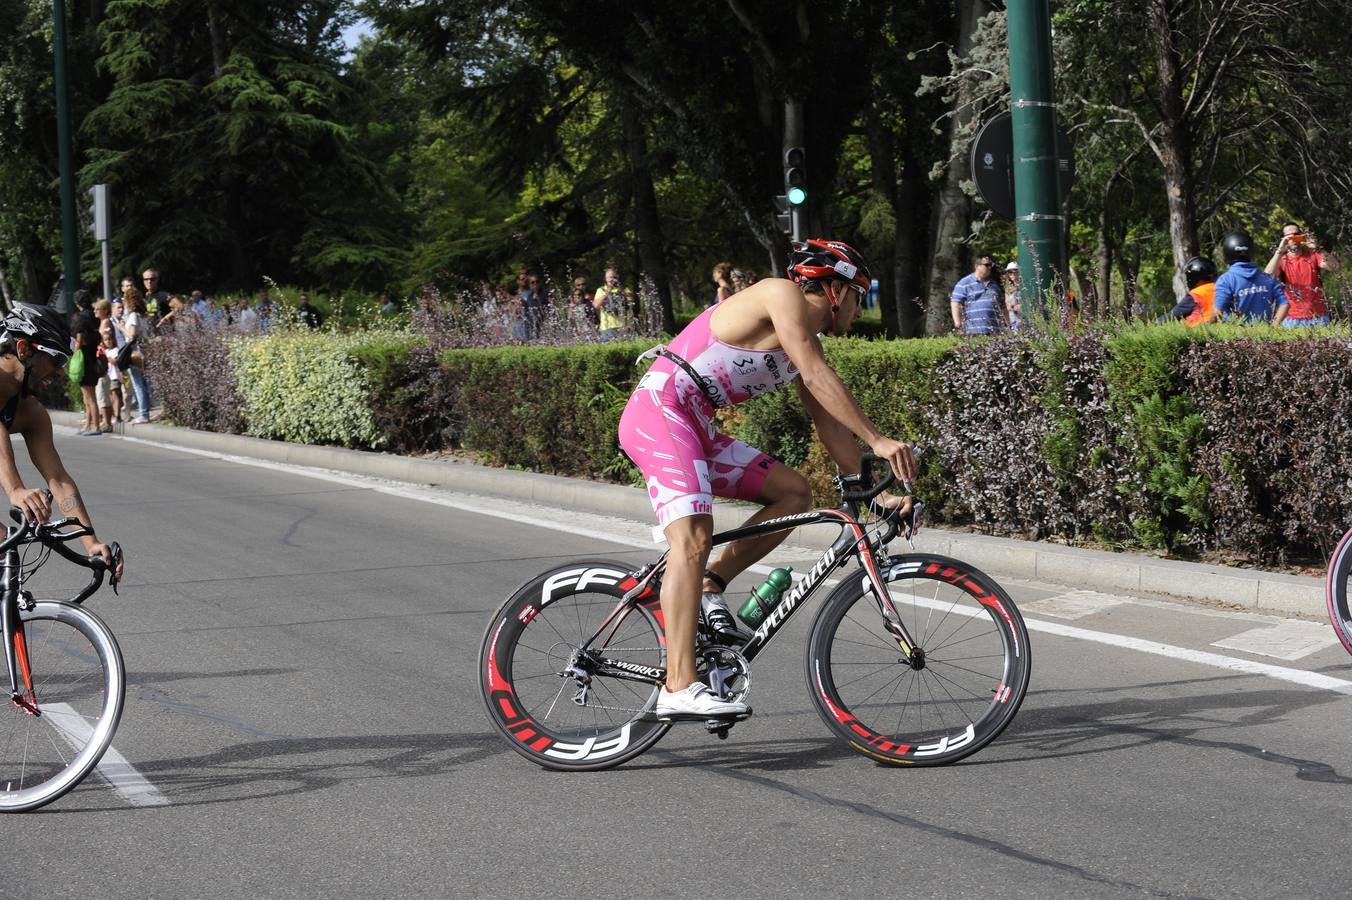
(710, 722)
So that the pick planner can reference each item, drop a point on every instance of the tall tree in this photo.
(226, 140)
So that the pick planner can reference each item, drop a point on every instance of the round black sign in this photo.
(993, 164)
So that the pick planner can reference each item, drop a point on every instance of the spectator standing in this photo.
(1013, 300)
(513, 312)
(264, 310)
(157, 300)
(614, 304)
(135, 329)
(533, 303)
(178, 311)
(247, 318)
(582, 316)
(1195, 307)
(308, 314)
(108, 392)
(978, 303)
(387, 305)
(85, 329)
(1297, 264)
(200, 305)
(722, 277)
(1245, 289)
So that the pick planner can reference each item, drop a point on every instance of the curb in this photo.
(1249, 589)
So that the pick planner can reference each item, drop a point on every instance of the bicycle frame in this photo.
(16, 656)
(854, 542)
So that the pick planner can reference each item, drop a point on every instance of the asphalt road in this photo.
(304, 715)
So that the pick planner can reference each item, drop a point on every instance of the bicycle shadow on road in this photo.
(1126, 723)
(283, 767)
(796, 754)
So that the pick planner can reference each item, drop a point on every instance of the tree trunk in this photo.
(217, 32)
(882, 163)
(952, 220)
(647, 225)
(1104, 262)
(1174, 142)
(1128, 268)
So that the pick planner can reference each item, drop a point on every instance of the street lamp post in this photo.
(70, 241)
(1038, 216)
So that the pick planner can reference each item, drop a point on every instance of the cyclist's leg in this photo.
(690, 540)
(671, 450)
(779, 488)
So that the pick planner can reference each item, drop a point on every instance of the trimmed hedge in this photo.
(549, 409)
(311, 386)
(1224, 441)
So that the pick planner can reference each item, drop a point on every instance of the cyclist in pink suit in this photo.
(754, 342)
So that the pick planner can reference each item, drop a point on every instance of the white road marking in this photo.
(1074, 605)
(113, 768)
(1155, 648)
(1215, 660)
(1290, 640)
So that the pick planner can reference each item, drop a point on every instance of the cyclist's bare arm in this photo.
(789, 314)
(33, 501)
(838, 440)
(36, 427)
(840, 444)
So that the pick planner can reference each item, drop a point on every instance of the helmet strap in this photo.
(835, 306)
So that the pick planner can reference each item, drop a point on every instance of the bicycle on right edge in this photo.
(66, 677)
(925, 671)
(1336, 590)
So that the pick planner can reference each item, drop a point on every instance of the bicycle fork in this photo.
(16, 645)
(874, 564)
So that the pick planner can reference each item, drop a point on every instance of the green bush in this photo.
(310, 387)
(1228, 439)
(550, 409)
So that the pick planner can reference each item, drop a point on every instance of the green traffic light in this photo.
(797, 196)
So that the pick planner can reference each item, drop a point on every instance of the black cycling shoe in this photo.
(719, 618)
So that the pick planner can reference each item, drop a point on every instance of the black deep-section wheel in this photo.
(949, 697)
(555, 717)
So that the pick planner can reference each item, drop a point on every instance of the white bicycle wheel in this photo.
(71, 693)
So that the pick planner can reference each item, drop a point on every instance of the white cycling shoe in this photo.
(696, 703)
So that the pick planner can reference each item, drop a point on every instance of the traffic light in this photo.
(782, 214)
(795, 176)
(98, 212)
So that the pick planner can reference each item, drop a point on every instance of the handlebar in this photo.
(52, 535)
(863, 488)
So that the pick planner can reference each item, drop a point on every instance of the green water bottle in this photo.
(765, 596)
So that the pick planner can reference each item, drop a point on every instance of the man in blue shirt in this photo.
(978, 303)
(1244, 290)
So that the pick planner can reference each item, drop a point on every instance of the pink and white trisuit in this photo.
(667, 426)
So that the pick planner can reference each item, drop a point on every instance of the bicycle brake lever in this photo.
(913, 522)
(115, 553)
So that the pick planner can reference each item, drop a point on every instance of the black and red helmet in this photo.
(817, 259)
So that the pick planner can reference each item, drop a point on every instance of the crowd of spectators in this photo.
(113, 334)
(1288, 292)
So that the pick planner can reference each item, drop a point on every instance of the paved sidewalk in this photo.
(1093, 569)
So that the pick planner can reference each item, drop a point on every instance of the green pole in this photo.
(70, 241)
(1038, 222)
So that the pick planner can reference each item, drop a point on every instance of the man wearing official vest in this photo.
(1244, 291)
